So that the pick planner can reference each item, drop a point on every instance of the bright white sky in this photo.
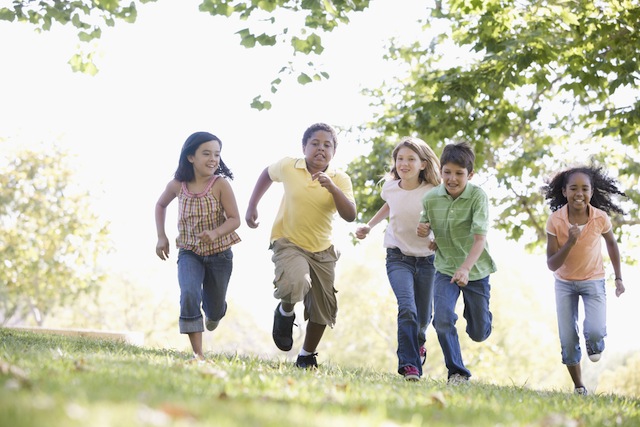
(176, 71)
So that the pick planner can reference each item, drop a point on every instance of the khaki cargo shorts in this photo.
(306, 276)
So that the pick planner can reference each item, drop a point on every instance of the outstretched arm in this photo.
(261, 187)
(169, 193)
(363, 230)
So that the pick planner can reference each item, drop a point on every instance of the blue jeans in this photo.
(595, 317)
(411, 279)
(476, 312)
(203, 281)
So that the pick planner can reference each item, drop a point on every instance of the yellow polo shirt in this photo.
(306, 211)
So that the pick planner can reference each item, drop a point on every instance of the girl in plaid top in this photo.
(207, 220)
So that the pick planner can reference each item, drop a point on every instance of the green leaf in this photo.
(7, 14)
(303, 79)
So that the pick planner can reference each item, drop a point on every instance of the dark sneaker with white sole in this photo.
(307, 362)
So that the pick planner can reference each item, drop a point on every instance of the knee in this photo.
(444, 321)
(480, 335)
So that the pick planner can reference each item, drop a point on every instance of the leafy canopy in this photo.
(543, 85)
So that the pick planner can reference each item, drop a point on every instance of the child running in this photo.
(207, 219)
(409, 261)
(303, 255)
(458, 214)
(580, 201)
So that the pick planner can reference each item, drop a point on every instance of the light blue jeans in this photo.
(411, 279)
(476, 312)
(203, 281)
(595, 317)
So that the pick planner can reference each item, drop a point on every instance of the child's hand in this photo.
(362, 231)
(162, 248)
(423, 229)
(433, 245)
(324, 180)
(461, 277)
(208, 236)
(251, 218)
(574, 233)
(619, 287)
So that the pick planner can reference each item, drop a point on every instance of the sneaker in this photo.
(595, 357)
(282, 330)
(307, 362)
(581, 391)
(411, 373)
(456, 379)
(423, 355)
(211, 324)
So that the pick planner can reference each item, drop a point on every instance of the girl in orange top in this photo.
(580, 201)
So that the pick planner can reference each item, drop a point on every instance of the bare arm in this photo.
(345, 207)
(614, 255)
(230, 207)
(261, 187)
(461, 276)
(557, 255)
(363, 230)
(167, 196)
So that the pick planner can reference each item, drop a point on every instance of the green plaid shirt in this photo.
(454, 223)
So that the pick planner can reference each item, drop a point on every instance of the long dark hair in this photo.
(184, 172)
(603, 188)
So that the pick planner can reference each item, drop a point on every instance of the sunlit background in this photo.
(176, 71)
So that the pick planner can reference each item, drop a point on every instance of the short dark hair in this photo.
(460, 154)
(316, 127)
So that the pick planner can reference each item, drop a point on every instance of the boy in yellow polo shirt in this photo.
(303, 255)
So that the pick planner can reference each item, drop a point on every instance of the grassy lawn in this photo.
(53, 380)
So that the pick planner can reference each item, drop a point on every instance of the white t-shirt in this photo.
(405, 207)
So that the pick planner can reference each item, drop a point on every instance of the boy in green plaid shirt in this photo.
(458, 213)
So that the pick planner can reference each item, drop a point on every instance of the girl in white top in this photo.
(409, 261)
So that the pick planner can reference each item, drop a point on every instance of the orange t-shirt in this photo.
(584, 261)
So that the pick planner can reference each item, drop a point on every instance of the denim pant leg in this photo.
(595, 314)
(425, 273)
(401, 270)
(567, 312)
(479, 319)
(191, 273)
(218, 268)
(444, 321)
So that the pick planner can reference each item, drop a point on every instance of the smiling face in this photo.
(578, 191)
(318, 151)
(455, 178)
(206, 159)
(409, 165)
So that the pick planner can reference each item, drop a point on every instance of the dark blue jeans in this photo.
(203, 281)
(476, 313)
(411, 279)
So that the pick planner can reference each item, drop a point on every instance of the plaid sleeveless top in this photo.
(197, 213)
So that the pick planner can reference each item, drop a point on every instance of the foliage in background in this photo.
(51, 238)
(299, 24)
(542, 84)
(65, 381)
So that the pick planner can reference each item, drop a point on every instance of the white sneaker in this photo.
(581, 391)
(457, 379)
(595, 357)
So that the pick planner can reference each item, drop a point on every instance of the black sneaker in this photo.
(283, 330)
(307, 362)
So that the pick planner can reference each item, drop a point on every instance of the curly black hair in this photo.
(603, 188)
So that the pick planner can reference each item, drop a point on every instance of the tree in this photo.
(541, 81)
(297, 23)
(50, 238)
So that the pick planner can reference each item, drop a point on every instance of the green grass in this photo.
(52, 380)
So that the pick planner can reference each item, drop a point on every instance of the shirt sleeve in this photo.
(480, 219)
